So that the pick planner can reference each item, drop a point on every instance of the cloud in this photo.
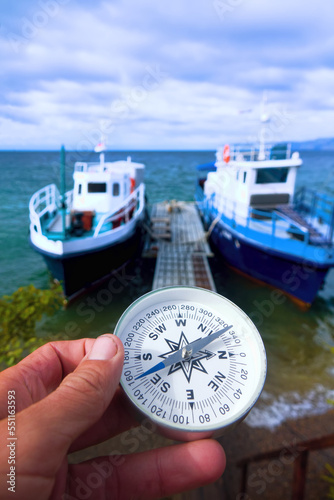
(157, 74)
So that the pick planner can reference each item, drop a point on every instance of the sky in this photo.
(164, 75)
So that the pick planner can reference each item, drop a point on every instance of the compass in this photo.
(194, 362)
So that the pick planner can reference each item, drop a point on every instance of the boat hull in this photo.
(299, 278)
(81, 271)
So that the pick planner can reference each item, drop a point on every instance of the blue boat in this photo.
(261, 226)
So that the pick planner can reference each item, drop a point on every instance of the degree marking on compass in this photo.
(155, 321)
(216, 398)
(136, 386)
(228, 384)
(230, 399)
(151, 401)
(215, 414)
(205, 320)
(219, 393)
(212, 320)
(163, 315)
(130, 367)
(232, 379)
(171, 411)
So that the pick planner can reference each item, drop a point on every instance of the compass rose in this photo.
(188, 365)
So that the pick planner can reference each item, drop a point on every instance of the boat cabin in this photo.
(246, 181)
(104, 186)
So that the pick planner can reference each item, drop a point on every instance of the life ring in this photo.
(226, 153)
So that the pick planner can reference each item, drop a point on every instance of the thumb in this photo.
(48, 427)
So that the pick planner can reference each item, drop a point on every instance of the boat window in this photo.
(237, 175)
(79, 188)
(97, 187)
(271, 175)
(245, 176)
(115, 189)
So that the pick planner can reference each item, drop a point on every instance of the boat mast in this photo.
(63, 190)
(100, 148)
(265, 118)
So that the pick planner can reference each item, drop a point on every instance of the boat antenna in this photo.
(63, 190)
(265, 119)
(100, 148)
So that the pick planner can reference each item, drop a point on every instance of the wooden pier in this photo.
(178, 241)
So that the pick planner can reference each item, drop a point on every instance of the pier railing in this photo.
(300, 455)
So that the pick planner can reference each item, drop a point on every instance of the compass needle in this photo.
(154, 369)
(207, 386)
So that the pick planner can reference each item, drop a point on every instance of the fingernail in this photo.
(103, 348)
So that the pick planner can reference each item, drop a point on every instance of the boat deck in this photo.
(56, 224)
(288, 212)
(178, 241)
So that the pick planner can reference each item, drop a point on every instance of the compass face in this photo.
(194, 362)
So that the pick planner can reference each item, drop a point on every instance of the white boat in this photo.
(87, 233)
(260, 225)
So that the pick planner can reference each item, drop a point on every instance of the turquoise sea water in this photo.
(300, 364)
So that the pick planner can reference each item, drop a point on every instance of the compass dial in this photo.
(194, 362)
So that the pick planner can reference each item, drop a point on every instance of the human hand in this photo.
(67, 397)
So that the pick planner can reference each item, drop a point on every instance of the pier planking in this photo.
(178, 240)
